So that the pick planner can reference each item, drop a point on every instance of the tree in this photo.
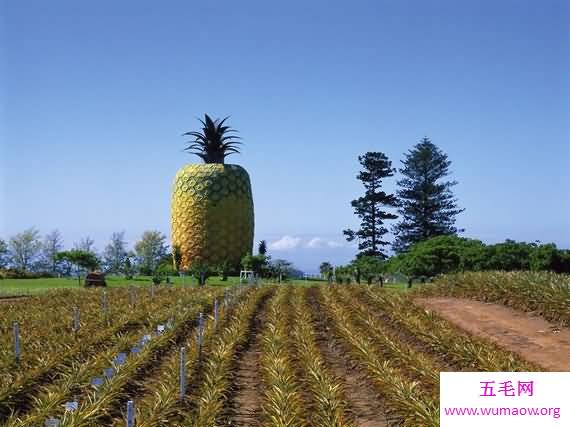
(128, 267)
(509, 255)
(82, 260)
(344, 274)
(224, 269)
(150, 250)
(200, 271)
(443, 254)
(368, 267)
(4, 254)
(375, 167)
(427, 205)
(284, 269)
(53, 243)
(544, 257)
(115, 253)
(25, 248)
(325, 268)
(255, 263)
(86, 244)
(262, 249)
(176, 257)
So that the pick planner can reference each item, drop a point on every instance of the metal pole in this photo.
(76, 319)
(200, 331)
(17, 342)
(105, 304)
(182, 372)
(130, 414)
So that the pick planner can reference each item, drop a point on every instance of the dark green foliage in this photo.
(284, 269)
(224, 270)
(375, 167)
(368, 268)
(259, 264)
(20, 274)
(325, 268)
(128, 268)
(80, 259)
(262, 249)
(201, 272)
(176, 257)
(509, 256)
(451, 254)
(345, 274)
(427, 205)
(561, 262)
(442, 254)
(165, 268)
(4, 257)
(214, 143)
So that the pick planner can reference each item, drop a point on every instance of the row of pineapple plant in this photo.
(44, 367)
(406, 403)
(415, 364)
(461, 350)
(159, 403)
(209, 402)
(328, 406)
(282, 404)
(105, 403)
(47, 329)
(544, 293)
(75, 383)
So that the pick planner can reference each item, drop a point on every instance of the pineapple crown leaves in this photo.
(214, 142)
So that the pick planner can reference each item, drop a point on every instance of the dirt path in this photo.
(247, 396)
(533, 338)
(364, 403)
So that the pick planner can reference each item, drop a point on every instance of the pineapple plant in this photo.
(212, 206)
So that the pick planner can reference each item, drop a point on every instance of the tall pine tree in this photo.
(375, 167)
(427, 205)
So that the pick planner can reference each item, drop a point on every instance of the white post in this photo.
(200, 336)
(182, 372)
(17, 342)
(130, 414)
(76, 319)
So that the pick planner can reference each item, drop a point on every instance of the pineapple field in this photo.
(329, 355)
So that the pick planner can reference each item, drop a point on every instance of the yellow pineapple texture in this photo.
(212, 214)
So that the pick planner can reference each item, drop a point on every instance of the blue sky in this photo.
(95, 96)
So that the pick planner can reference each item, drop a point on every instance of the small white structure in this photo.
(245, 275)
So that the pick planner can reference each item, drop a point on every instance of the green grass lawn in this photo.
(9, 287)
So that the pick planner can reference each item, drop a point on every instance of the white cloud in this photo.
(333, 244)
(285, 243)
(318, 243)
(315, 243)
